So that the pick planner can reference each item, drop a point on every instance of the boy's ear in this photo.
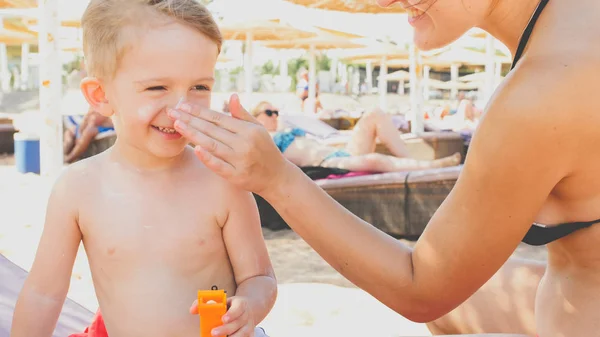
(96, 96)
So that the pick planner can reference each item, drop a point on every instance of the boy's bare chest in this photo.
(147, 226)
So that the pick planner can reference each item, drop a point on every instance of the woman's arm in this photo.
(511, 169)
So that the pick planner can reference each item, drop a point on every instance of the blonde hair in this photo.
(106, 27)
(259, 108)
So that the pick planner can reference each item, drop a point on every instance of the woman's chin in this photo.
(430, 39)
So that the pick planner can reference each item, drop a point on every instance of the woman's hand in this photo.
(236, 147)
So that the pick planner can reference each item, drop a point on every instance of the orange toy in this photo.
(211, 314)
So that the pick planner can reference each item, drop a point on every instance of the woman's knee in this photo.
(371, 120)
(373, 116)
(90, 132)
(374, 161)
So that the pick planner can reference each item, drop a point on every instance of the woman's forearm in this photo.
(369, 258)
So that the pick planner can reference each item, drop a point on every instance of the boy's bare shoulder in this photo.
(80, 176)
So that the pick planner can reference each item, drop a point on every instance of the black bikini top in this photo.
(538, 234)
(527, 32)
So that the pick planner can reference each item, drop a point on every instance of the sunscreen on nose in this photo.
(180, 102)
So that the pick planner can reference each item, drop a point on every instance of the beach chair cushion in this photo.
(103, 140)
(398, 203)
(74, 318)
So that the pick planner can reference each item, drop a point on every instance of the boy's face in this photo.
(167, 63)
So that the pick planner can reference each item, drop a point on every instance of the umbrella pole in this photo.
(490, 51)
(283, 71)
(498, 73)
(454, 80)
(248, 65)
(416, 95)
(344, 75)
(369, 79)
(426, 92)
(25, 66)
(4, 66)
(383, 84)
(51, 139)
(333, 70)
(312, 80)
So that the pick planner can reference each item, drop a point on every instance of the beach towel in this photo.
(73, 317)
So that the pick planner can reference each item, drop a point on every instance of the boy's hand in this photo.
(237, 321)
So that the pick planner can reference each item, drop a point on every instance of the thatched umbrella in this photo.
(454, 57)
(383, 52)
(460, 56)
(399, 75)
(11, 37)
(260, 30)
(18, 3)
(350, 6)
(323, 41)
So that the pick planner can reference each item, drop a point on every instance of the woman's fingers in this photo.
(238, 111)
(207, 142)
(204, 127)
(222, 120)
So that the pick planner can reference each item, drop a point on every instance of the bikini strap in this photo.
(527, 32)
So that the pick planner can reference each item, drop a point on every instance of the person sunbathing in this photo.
(77, 140)
(464, 119)
(358, 155)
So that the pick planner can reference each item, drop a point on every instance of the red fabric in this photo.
(96, 329)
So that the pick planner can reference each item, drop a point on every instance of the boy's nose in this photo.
(180, 100)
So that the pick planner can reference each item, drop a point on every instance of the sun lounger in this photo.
(103, 141)
(7, 131)
(424, 146)
(432, 145)
(73, 319)
(399, 203)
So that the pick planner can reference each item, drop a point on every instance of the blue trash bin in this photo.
(27, 153)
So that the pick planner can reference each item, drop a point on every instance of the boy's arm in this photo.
(45, 289)
(249, 257)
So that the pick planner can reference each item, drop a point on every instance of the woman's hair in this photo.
(259, 108)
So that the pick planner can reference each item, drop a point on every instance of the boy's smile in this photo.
(168, 132)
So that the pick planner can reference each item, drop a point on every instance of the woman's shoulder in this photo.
(551, 86)
(543, 108)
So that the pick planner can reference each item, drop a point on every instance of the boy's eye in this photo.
(156, 88)
(202, 88)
